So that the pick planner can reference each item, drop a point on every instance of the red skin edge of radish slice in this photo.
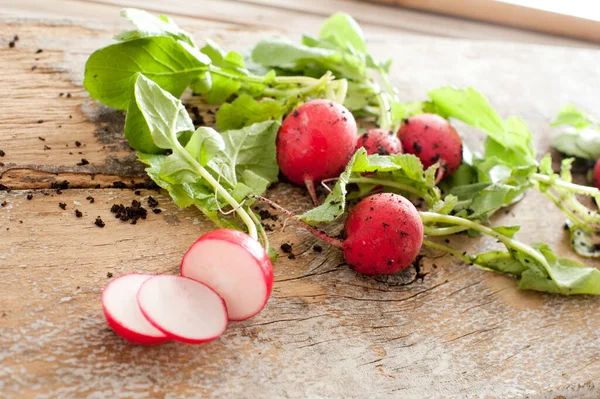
(251, 246)
(131, 336)
(125, 332)
(177, 337)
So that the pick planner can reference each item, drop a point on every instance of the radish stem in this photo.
(429, 217)
(334, 242)
(468, 259)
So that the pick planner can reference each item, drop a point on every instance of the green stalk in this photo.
(429, 217)
(385, 117)
(444, 231)
(219, 189)
(449, 250)
(569, 212)
(252, 232)
(574, 188)
(388, 85)
(261, 230)
(303, 80)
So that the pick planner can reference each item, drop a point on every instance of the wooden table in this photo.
(448, 330)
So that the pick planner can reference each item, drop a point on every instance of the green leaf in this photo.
(164, 60)
(335, 203)
(343, 31)
(245, 111)
(508, 231)
(556, 275)
(572, 116)
(249, 156)
(155, 117)
(300, 58)
(205, 144)
(583, 143)
(446, 205)
(359, 96)
(564, 276)
(500, 262)
(221, 89)
(149, 25)
(471, 107)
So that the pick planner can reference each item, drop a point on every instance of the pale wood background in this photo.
(450, 331)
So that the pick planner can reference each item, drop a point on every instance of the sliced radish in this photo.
(119, 300)
(184, 309)
(234, 265)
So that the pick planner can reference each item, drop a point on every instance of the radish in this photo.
(236, 266)
(433, 140)
(183, 309)
(123, 313)
(315, 142)
(384, 233)
(379, 141)
(596, 175)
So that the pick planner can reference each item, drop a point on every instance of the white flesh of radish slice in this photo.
(119, 300)
(235, 266)
(184, 309)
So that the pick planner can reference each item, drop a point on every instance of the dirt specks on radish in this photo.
(433, 139)
(315, 142)
(384, 234)
(379, 141)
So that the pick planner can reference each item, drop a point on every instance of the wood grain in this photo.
(444, 330)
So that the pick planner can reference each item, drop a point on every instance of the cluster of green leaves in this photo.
(340, 48)
(581, 137)
(168, 55)
(500, 176)
(204, 168)
(401, 173)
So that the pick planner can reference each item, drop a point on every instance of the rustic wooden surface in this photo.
(446, 330)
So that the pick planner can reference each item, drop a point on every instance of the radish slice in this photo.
(234, 265)
(119, 300)
(184, 309)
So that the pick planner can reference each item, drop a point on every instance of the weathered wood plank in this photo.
(327, 332)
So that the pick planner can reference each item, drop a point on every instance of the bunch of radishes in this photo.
(384, 232)
(225, 276)
(228, 276)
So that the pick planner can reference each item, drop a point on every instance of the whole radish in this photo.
(315, 142)
(596, 175)
(432, 139)
(379, 141)
(384, 234)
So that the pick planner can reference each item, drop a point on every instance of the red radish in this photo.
(119, 300)
(236, 266)
(433, 139)
(596, 175)
(183, 309)
(384, 233)
(379, 141)
(315, 142)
